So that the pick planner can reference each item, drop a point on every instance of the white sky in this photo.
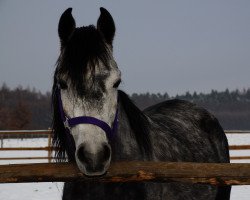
(162, 46)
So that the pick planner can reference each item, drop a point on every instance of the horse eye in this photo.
(63, 84)
(117, 83)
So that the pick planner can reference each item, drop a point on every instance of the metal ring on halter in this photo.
(66, 123)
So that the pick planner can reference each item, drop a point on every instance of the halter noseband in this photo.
(71, 122)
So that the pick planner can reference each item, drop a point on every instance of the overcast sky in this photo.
(163, 46)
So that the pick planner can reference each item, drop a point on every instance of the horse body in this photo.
(179, 131)
(174, 130)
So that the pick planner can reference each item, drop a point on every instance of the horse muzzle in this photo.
(93, 163)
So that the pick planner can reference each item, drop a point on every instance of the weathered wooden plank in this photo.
(49, 148)
(27, 158)
(17, 132)
(50, 132)
(203, 173)
(239, 147)
(51, 157)
(237, 131)
(240, 158)
(27, 149)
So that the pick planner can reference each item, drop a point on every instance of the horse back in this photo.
(187, 132)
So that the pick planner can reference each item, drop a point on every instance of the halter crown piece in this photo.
(71, 122)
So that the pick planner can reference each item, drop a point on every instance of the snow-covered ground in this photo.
(53, 191)
(239, 192)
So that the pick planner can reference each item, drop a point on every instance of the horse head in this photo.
(85, 91)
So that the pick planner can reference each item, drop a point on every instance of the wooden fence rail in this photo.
(202, 173)
(27, 149)
(28, 158)
(237, 131)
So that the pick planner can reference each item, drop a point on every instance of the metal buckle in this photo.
(66, 124)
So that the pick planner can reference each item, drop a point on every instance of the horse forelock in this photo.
(85, 50)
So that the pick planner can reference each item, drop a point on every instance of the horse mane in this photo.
(138, 122)
(61, 141)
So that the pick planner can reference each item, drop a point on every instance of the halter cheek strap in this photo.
(71, 122)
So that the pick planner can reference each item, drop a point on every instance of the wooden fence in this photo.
(15, 134)
(202, 173)
(50, 149)
(238, 147)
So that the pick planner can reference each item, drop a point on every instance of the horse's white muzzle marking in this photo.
(93, 163)
(93, 153)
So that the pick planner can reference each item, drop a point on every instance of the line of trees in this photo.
(23, 108)
(232, 108)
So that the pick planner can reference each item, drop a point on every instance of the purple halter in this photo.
(71, 122)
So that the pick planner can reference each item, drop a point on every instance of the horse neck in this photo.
(124, 146)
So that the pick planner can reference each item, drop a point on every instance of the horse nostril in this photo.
(82, 155)
(86, 157)
(106, 153)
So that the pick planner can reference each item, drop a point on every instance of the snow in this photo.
(53, 191)
(28, 191)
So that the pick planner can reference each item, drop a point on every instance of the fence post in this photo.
(50, 147)
(1, 140)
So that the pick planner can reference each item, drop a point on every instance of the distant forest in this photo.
(23, 108)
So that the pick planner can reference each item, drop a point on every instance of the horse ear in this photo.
(66, 26)
(106, 25)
